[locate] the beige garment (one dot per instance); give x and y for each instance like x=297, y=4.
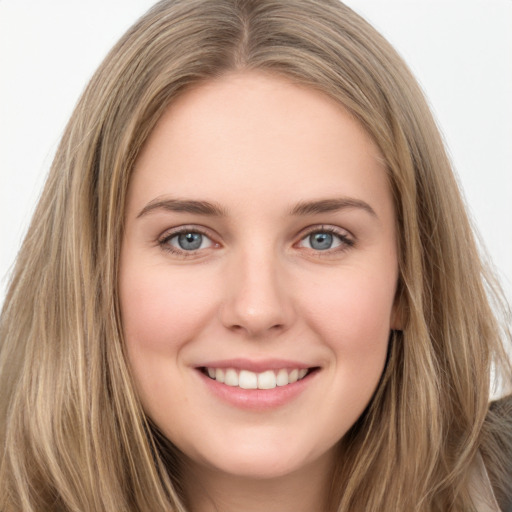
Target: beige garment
x=481, y=488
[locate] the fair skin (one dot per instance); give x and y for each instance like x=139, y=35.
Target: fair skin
x=259, y=243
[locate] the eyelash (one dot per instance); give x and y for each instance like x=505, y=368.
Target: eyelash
x=163, y=241
x=345, y=241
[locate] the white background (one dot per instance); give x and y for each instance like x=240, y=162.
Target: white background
x=460, y=50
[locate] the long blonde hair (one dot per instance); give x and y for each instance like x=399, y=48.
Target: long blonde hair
x=74, y=436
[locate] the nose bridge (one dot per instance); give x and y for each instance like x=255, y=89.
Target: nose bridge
x=257, y=300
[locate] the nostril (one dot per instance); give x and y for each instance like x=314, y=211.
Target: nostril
x=256, y=304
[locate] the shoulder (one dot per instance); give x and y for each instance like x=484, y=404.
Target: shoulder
x=481, y=489
x=495, y=465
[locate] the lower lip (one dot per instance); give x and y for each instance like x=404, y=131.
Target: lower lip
x=257, y=399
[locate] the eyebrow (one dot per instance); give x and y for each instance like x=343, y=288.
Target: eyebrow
x=207, y=208
x=184, y=206
x=331, y=205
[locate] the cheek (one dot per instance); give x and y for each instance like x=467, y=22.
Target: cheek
x=354, y=304
x=160, y=311
x=354, y=319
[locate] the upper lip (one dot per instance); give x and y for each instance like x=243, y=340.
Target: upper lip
x=254, y=365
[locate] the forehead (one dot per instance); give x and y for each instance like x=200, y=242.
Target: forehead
x=249, y=136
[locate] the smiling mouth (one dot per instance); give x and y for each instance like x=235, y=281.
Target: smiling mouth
x=246, y=379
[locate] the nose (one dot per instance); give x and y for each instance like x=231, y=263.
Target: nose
x=258, y=301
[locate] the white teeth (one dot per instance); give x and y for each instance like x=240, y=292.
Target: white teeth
x=231, y=378
x=282, y=377
x=246, y=379
x=266, y=380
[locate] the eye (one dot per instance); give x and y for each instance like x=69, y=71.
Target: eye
x=184, y=241
x=325, y=240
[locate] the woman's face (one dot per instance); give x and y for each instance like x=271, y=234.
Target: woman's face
x=258, y=275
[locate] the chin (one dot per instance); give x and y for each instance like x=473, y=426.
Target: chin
x=257, y=468
x=259, y=461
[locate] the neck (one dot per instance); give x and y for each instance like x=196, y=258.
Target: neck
x=304, y=490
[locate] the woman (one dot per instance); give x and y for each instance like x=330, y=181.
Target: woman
x=251, y=283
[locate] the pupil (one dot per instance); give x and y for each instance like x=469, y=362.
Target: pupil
x=321, y=241
x=190, y=241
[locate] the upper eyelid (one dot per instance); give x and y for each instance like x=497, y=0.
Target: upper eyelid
x=329, y=228
x=171, y=232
